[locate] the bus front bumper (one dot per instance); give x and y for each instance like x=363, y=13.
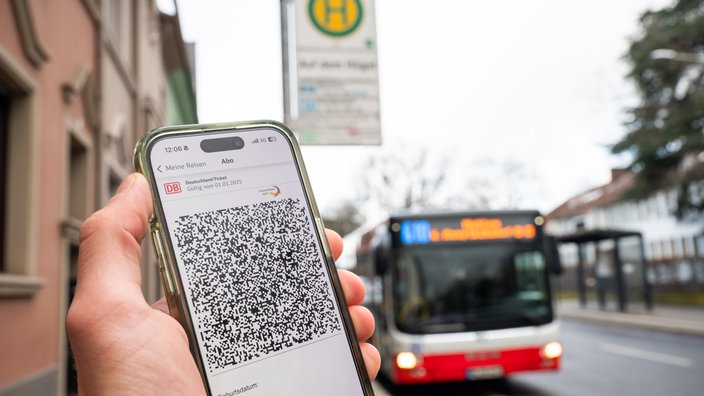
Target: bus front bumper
x=473, y=366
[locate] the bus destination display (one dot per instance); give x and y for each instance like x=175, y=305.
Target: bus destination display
x=423, y=232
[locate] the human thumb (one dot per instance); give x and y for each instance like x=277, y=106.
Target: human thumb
x=110, y=239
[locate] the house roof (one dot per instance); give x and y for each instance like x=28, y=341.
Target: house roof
x=622, y=180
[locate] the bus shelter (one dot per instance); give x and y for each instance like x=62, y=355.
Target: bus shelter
x=615, y=282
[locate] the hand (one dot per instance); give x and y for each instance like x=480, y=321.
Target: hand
x=121, y=344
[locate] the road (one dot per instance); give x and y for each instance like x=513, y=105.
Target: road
x=600, y=360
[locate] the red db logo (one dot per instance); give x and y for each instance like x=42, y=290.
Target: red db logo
x=172, y=188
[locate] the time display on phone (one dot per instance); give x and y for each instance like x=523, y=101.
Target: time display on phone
x=175, y=149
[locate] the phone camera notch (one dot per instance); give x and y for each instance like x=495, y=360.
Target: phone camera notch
x=221, y=144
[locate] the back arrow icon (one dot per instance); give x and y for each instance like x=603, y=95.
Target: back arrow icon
x=159, y=169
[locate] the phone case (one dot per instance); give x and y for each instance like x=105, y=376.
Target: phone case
x=165, y=256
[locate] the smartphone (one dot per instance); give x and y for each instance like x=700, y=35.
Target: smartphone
x=245, y=263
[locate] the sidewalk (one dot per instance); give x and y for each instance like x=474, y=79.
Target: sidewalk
x=674, y=319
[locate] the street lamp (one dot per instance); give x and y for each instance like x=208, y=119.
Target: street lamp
x=670, y=54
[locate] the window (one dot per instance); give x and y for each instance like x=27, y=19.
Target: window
x=656, y=251
x=79, y=200
x=114, y=180
x=4, y=121
x=666, y=249
x=18, y=107
x=71, y=374
x=678, y=248
x=113, y=19
x=689, y=247
x=78, y=205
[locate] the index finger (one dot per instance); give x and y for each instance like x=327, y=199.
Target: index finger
x=335, y=241
x=352, y=286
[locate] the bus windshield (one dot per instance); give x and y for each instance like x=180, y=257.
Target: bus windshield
x=470, y=288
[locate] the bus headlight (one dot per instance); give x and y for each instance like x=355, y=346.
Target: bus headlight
x=552, y=350
x=406, y=360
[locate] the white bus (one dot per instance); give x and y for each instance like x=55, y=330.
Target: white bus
x=461, y=296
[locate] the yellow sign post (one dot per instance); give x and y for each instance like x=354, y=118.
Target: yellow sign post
x=331, y=77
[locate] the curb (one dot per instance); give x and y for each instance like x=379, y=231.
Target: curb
x=648, y=322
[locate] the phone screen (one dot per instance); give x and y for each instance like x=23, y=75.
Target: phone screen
x=263, y=310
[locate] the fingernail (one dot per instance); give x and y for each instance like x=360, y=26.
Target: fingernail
x=127, y=183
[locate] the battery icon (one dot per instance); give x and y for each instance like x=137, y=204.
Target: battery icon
x=271, y=139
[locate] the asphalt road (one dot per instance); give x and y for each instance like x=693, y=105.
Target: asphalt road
x=600, y=360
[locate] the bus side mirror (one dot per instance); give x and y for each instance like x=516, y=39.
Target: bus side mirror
x=382, y=251
x=552, y=255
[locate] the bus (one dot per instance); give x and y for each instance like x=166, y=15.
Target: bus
x=461, y=296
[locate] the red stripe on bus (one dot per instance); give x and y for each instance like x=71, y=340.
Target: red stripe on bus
x=459, y=366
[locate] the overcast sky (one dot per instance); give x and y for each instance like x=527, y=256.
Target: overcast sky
x=536, y=82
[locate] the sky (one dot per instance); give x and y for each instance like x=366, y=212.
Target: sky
x=537, y=83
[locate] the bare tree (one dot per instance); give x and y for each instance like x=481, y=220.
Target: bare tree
x=404, y=179
x=344, y=218
x=407, y=179
x=418, y=179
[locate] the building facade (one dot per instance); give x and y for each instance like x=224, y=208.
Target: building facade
x=673, y=247
x=80, y=82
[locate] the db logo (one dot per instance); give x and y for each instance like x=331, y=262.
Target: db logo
x=172, y=188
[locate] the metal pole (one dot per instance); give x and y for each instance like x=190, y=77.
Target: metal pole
x=580, y=276
x=285, y=58
x=647, y=291
x=620, y=284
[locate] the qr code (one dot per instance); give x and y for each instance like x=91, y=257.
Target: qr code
x=258, y=285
